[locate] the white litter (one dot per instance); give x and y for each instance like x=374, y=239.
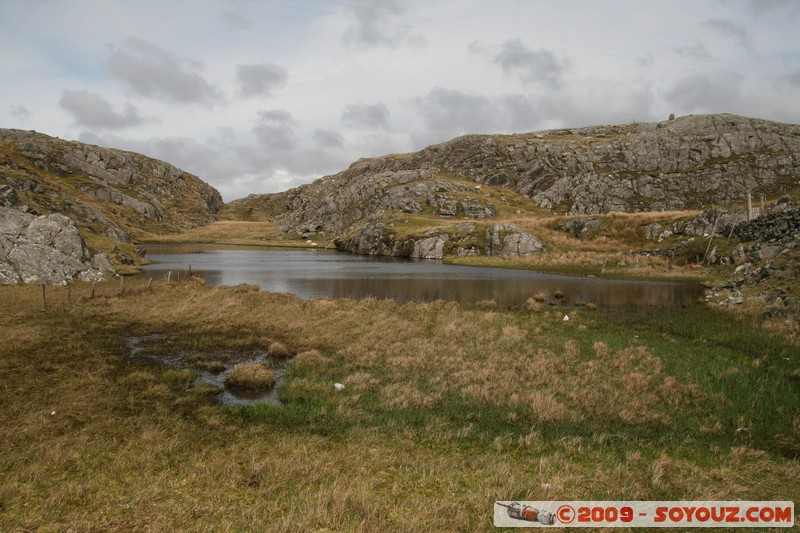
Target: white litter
x=338, y=386
x=566, y=318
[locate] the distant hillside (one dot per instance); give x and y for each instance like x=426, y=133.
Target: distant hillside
x=67, y=208
x=110, y=193
x=377, y=205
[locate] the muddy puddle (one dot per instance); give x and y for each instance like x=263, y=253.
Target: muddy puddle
x=211, y=368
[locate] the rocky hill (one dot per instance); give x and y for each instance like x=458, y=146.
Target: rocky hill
x=691, y=162
x=106, y=197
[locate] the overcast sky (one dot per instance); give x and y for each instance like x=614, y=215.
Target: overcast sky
x=260, y=96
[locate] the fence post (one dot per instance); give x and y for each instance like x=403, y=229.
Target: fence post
x=749, y=205
x=94, y=285
x=711, y=238
x=149, y=282
x=121, y=284
x=44, y=297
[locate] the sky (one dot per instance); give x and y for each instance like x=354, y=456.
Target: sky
x=258, y=96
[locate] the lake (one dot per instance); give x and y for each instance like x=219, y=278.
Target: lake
x=331, y=274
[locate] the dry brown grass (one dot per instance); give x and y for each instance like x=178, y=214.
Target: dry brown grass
x=130, y=448
x=250, y=377
x=230, y=232
x=608, y=253
x=278, y=349
x=310, y=359
x=619, y=230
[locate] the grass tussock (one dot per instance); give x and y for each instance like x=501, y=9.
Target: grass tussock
x=250, y=377
x=278, y=349
x=446, y=408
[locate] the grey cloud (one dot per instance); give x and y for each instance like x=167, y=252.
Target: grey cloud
x=646, y=60
x=597, y=101
x=374, y=26
x=20, y=112
x=367, y=116
x=761, y=7
x=279, y=150
x=260, y=79
x=534, y=66
x=151, y=71
x=520, y=112
x=235, y=21
x=792, y=79
x=328, y=139
x=730, y=29
x=696, y=51
x=706, y=93
x=202, y=159
x=476, y=47
x=448, y=113
x=237, y=169
x=93, y=111
x=275, y=130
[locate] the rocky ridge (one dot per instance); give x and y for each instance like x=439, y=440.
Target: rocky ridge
x=113, y=193
x=690, y=162
x=54, y=194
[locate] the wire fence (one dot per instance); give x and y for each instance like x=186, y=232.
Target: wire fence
x=48, y=297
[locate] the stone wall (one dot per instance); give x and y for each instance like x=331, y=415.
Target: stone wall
x=774, y=226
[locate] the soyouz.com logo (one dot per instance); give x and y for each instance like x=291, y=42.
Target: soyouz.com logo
x=760, y=514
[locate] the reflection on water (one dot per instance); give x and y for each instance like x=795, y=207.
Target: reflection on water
x=323, y=273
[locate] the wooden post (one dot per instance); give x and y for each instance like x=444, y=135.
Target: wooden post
x=149, y=282
x=179, y=276
x=763, y=203
x=94, y=286
x=711, y=237
x=44, y=298
x=121, y=284
x=749, y=205
x=169, y=276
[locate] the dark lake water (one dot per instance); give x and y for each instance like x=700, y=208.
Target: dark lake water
x=324, y=273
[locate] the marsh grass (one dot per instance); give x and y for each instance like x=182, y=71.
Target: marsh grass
x=278, y=349
x=250, y=377
x=446, y=408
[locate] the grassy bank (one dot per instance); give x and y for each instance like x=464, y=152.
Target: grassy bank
x=446, y=408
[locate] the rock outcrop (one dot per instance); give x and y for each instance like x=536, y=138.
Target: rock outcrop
x=46, y=249
x=112, y=193
x=691, y=162
x=687, y=163
x=507, y=239
x=466, y=239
